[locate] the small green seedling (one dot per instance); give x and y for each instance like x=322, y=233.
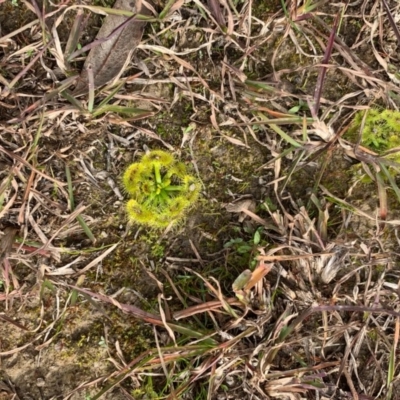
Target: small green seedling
x=247, y=250
x=161, y=190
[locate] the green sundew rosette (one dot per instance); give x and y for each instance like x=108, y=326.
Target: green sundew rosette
x=161, y=190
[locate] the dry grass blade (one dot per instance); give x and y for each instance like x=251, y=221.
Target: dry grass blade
x=215, y=8
x=74, y=36
x=24, y=162
x=25, y=70
x=143, y=315
x=392, y=359
x=322, y=308
x=208, y=306
x=383, y=206
x=135, y=311
x=25, y=114
x=7, y=241
x=81, y=221
x=346, y=205
x=11, y=321
x=391, y=21
x=47, y=242
x=98, y=259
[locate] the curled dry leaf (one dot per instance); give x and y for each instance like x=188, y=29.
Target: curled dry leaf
x=285, y=388
x=247, y=280
x=333, y=264
x=108, y=58
x=241, y=207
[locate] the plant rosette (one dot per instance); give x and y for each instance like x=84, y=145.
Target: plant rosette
x=161, y=190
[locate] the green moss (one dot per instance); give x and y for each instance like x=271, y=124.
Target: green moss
x=381, y=130
x=381, y=134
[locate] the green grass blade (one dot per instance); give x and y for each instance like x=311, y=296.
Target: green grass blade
x=191, y=333
x=86, y=228
x=130, y=111
x=110, y=96
x=73, y=101
x=260, y=85
x=284, y=135
x=289, y=120
x=166, y=9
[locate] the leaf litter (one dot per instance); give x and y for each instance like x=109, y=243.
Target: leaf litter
x=268, y=93
x=117, y=37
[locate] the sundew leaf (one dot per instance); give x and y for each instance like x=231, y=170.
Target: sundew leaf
x=161, y=190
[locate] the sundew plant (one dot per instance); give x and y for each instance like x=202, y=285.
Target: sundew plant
x=161, y=190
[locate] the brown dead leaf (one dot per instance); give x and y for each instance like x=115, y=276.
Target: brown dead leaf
x=108, y=58
x=241, y=207
x=215, y=8
x=258, y=274
x=7, y=240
